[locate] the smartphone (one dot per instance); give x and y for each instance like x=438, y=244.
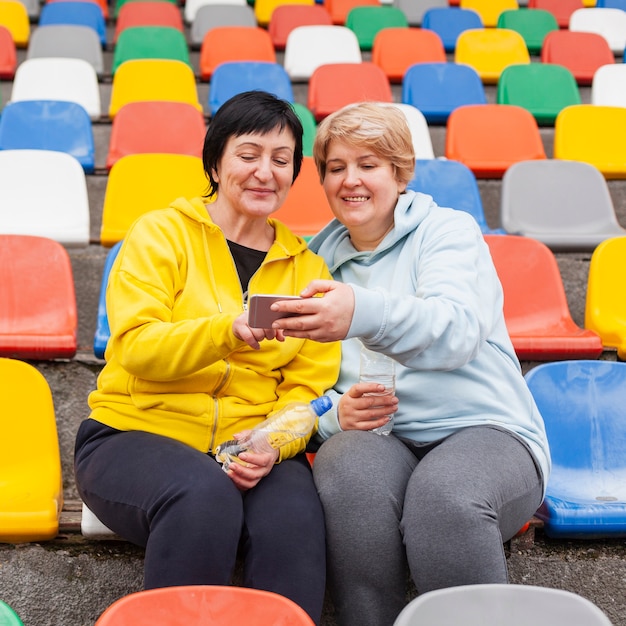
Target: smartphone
x=259, y=313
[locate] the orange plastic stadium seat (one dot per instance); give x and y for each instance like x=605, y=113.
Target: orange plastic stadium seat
x=8, y=54
x=139, y=183
x=264, y=9
x=209, y=605
x=234, y=43
x=580, y=52
x=536, y=311
x=561, y=9
x=156, y=126
x=339, y=9
x=334, y=85
x=306, y=210
x=147, y=13
x=286, y=17
x=488, y=138
x=31, y=489
x=396, y=49
x=38, y=318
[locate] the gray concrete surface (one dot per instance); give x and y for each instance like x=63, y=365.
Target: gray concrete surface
x=70, y=581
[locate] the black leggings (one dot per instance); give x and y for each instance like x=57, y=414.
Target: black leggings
x=193, y=522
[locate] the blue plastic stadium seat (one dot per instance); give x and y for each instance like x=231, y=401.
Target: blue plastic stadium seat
x=81, y=13
x=436, y=89
x=450, y=22
x=234, y=77
x=451, y=184
x=103, y=332
x=49, y=125
x=582, y=403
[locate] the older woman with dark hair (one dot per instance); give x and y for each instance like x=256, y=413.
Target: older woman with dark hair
x=186, y=372
x=467, y=460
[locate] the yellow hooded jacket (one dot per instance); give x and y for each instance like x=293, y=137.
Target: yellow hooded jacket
x=174, y=366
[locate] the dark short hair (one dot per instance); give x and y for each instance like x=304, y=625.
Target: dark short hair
x=248, y=112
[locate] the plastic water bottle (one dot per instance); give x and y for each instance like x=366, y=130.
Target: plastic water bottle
x=379, y=368
x=292, y=422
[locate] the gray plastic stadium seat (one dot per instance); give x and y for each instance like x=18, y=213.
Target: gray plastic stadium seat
x=211, y=15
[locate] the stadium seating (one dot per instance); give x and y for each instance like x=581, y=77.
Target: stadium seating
x=420, y=132
x=308, y=47
x=585, y=416
x=489, y=10
x=449, y=22
x=605, y=304
x=72, y=41
x=594, y=134
x=191, y=7
x=306, y=210
x=118, y=4
x=565, y=204
x=138, y=183
x=14, y=17
x=609, y=23
x=56, y=207
x=451, y=184
x=536, y=310
x=263, y=9
x=532, y=24
x=211, y=605
x=493, y=604
x=309, y=126
x=437, y=89
x=489, y=138
x=80, y=13
x=210, y=16
x=49, y=125
x=153, y=79
x=368, y=21
x=54, y=78
x=31, y=490
x=415, y=9
x=156, y=126
x=339, y=9
x=582, y=53
x=334, y=85
x=233, y=77
x=38, y=313
x=234, y=43
x=8, y=617
x=396, y=49
x=150, y=42
x=490, y=50
x=286, y=17
x=561, y=9
x=147, y=13
x=608, y=87
x=544, y=89
x=103, y=331
x=8, y=54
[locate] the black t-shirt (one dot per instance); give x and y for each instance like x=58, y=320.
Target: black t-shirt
x=247, y=262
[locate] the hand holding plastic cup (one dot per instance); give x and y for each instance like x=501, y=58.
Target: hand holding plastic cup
x=379, y=368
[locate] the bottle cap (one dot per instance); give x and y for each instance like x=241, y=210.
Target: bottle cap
x=321, y=405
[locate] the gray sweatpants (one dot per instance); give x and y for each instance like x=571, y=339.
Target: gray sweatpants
x=444, y=509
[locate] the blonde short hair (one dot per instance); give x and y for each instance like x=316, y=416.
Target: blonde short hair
x=379, y=126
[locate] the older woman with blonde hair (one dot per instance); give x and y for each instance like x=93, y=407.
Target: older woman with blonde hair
x=467, y=459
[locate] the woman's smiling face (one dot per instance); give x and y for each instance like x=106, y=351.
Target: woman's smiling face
x=362, y=191
x=255, y=172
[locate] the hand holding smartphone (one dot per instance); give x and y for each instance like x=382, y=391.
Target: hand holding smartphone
x=259, y=313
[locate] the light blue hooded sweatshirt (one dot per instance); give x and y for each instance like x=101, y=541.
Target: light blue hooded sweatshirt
x=429, y=297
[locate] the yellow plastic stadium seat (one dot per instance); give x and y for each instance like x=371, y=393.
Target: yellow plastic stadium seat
x=605, y=310
x=153, y=79
x=14, y=17
x=138, y=183
x=489, y=10
x=31, y=486
x=594, y=134
x=490, y=50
